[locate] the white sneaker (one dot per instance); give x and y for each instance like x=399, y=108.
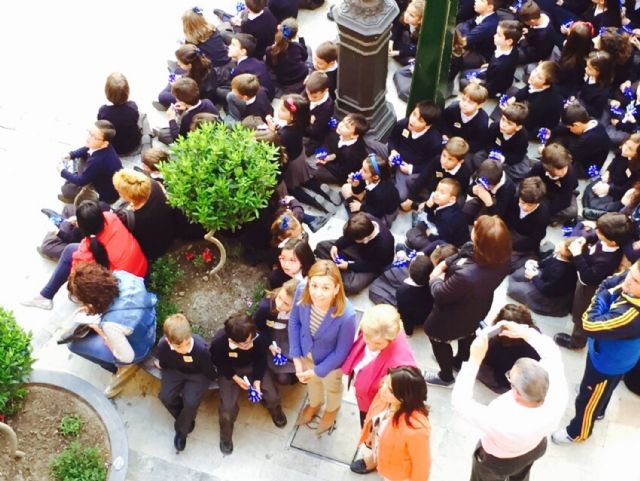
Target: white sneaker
x=39, y=302
x=561, y=437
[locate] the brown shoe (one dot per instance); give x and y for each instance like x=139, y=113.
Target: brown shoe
x=307, y=414
x=327, y=422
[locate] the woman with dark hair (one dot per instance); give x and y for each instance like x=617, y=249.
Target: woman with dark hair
x=106, y=241
x=122, y=317
x=294, y=262
x=462, y=287
x=397, y=429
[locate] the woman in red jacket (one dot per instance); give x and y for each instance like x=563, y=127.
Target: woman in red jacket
x=381, y=344
x=106, y=241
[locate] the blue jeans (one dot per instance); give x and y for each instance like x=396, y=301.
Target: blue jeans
x=61, y=274
x=95, y=350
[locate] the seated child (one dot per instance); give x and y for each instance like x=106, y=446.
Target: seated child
x=188, y=104
x=195, y=65
x=405, y=33
x=624, y=113
x=595, y=92
x=238, y=352
x=294, y=261
x=150, y=160
x=198, y=31
x=449, y=166
x=287, y=58
x=465, y=118
x=362, y=253
x=375, y=193
x=316, y=88
x=416, y=141
x=560, y=180
x=546, y=287
x=122, y=113
x=97, y=163
x=492, y=193
x=539, y=39
x=604, y=194
x=325, y=60
x=414, y=295
x=241, y=50
x=442, y=219
x=247, y=98
x=596, y=255
x=187, y=371
x=272, y=318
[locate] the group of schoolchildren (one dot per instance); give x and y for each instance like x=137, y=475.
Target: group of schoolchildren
x=445, y=166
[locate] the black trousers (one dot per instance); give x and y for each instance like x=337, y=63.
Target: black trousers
x=489, y=468
x=444, y=355
x=181, y=394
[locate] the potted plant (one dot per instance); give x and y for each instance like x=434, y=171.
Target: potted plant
x=220, y=177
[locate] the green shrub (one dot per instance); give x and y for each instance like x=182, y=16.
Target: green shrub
x=75, y=463
x=15, y=363
x=165, y=273
x=71, y=425
x=220, y=177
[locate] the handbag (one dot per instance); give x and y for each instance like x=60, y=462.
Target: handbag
x=75, y=333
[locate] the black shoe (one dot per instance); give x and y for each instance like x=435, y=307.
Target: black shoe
x=330, y=14
x=278, y=417
x=179, y=442
x=564, y=340
x=192, y=427
x=226, y=447
x=360, y=467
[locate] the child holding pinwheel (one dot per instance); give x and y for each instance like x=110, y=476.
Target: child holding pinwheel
x=287, y=58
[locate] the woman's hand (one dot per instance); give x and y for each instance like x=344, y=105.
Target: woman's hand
x=98, y=330
x=438, y=271
x=305, y=376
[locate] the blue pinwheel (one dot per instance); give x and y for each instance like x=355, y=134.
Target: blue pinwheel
x=496, y=154
x=543, y=135
x=406, y=261
x=484, y=182
x=321, y=153
x=279, y=359
x=567, y=230
x=356, y=176
x=593, y=171
x=240, y=6
x=396, y=160
x=254, y=395
x=333, y=123
x=504, y=99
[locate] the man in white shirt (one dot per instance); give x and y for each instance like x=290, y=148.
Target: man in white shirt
x=515, y=425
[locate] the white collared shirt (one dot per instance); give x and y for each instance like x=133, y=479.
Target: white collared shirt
x=191, y=343
x=371, y=186
x=325, y=97
x=501, y=53
x=524, y=214
x=417, y=135
x=533, y=91
x=468, y=118
x=250, y=101
x=480, y=18
x=192, y=107
x=252, y=16
x=455, y=170
x=544, y=21
x=241, y=59
x=346, y=143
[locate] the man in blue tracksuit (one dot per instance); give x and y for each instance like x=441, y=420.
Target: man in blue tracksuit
x=612, y=322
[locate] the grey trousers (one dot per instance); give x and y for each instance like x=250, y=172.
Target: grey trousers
x=489, y=468
x=181, y=394
x=353, y=282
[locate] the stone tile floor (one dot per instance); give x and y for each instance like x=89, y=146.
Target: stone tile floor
x=55, y=67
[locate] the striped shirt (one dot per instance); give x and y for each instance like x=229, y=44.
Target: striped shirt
x=316, y=319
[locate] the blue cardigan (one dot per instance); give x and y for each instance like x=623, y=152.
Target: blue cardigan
x=332, y=342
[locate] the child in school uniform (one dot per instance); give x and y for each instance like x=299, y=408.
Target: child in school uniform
x=375, y=193
x=539, y=39
x=287, y=58
x=362, y=253
x=241, y=50
x=325, y=60
x=441, y=220
x=449, y=164
x=316, y=88
x=271, y=318
x=122, y=113
x=194, y=65
x=546, y=287
x=416, y=141
x=414, y=295
x=293, y=262
x=596, y=254
x=247, y=98
x=595, y=92
x=466, y=118
x=624, y=113
x=238, y=352
x=492, y=192
x=405, y=33
x=507, y=141
x=187, y=371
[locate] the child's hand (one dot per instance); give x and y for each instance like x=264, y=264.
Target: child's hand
x=406, y=205
x=429, y=203
x=483, y=194
x=156, y=363
x=601, y=189
x=405, y=168
x=256, y=386
x=66, y=157
x=355, y=205
x=576, y=246
x=60, y=166
x=171, y=113
x=392, y=154
x=235, y=21
x=274, y=349
x=271, y=123
x=623, y=86
x=240, y=382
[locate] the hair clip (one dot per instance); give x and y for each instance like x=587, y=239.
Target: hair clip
x=287, y=32
x=197, y=10
x=284, y=223
x=374, y=164
x=292, y=105
x=543, y=135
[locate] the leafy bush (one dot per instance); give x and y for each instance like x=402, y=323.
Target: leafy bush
x=164, y=275
x=71, y=425
x=77, y=464
x=220, y=177
x=15, y=363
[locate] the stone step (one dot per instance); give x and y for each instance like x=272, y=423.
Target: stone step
x=150, y=468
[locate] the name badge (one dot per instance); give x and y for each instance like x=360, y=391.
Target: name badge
x=312, y=119
x=457, y=125
x=187, y=358
x=406, y=133
x=439, y=174
x=233, y=354
x=628, y=172
x=498, y=142
x=270, y=323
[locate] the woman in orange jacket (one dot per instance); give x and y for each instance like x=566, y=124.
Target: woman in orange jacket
x=397, y=429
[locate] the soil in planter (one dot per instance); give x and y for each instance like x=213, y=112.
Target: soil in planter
x=37, y=429
x=207, y=301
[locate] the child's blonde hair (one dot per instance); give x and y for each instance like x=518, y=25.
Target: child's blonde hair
x=476, y=93
x=132, y=186
x=176, y=329
x=288, y=287
x=195, y=26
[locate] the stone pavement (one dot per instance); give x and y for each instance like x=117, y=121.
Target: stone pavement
x=56, y=62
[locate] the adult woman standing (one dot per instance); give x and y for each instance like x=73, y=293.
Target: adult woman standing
x=121, y=314
x=322, y=326
x=381, y=345
x=397, y=429
x=462, y=289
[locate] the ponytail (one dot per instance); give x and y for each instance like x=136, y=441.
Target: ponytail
x=200, y=65
x=286, y=32
x=99, y=252
x=91, y=223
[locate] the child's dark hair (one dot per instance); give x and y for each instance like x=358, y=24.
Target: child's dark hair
x=360, y=123
x=327, y=51
x=286, y=32
x=106, y=128
x=477, y=93
x=575, y=112
x=617, y=45
x=577, y=46
x=116, y=89
x=153, y=156
x=511, y=29
x=528, y=11
x=91, y=223
x=549, y=68
x=603, y=63
x=186, y=90
x=419, y=270
x=378, y=167
x=239, y=328
x=298, y=106
x=358, y=227
x=453, y=184
x=615, y=226
x=532, y=190
x=246, y=84
x=555, y=156
x=316, y=82
x=429, y=111
x=441, y=252
x=247, y=43
x=516, y=112
x=513, y=313
x=457, y=147
x=256, y=6
x=409, y=387
x=302, y=251
x=189, y=54
x=491, y=170
x=202, y=118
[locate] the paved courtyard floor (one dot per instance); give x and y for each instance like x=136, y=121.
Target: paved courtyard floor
x=57, y=56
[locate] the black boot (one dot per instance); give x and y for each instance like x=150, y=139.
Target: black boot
x=226, y=432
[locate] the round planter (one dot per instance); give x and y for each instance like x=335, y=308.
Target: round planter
x=104, y=409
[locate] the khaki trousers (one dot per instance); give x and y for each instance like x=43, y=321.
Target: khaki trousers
x=330, y=385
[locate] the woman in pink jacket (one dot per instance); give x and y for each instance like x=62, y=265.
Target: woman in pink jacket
x=381, y=344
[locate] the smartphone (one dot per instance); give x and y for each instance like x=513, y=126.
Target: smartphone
x=493, y=331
